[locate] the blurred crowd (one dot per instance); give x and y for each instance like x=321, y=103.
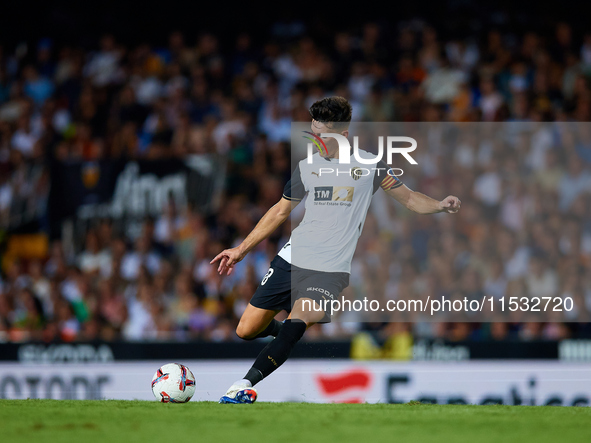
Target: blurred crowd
x=524, y=228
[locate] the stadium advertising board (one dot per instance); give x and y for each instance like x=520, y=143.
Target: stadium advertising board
x=513, y=383
x=420, y=350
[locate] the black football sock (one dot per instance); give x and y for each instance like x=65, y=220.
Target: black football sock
x=273, y=329
x=253, y=376
x=276, y=352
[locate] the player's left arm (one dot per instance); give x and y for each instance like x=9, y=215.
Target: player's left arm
x=421, y=203
x=415, y=201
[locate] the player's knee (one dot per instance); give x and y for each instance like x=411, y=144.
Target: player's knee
x=244, y=332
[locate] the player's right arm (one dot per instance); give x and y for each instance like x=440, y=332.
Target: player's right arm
x=293, y=193
x=272, y=219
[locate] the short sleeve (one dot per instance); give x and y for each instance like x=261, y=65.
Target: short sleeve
x=294, y=189
x=384, y=178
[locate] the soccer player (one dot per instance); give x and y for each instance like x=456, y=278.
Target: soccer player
x=314, y=265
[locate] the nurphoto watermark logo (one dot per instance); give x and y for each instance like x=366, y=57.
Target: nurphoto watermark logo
x=345, y=148
x=345, y=153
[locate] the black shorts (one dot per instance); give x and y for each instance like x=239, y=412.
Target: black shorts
x=275, y=291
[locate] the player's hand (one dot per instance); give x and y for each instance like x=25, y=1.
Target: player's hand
x=228, y=258
x=450, y=204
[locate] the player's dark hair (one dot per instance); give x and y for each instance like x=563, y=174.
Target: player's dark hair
x=334, y=112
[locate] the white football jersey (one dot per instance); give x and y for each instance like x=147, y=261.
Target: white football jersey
x=339, y=196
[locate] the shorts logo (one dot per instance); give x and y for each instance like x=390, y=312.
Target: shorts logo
x=322, y=291
x=333, y=193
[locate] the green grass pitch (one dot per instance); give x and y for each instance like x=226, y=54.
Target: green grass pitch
x=113, y=421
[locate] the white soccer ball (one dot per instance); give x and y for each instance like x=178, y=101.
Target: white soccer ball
x=173, y=383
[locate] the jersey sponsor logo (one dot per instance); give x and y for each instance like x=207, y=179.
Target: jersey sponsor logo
x=322, y=193
x=333, y=193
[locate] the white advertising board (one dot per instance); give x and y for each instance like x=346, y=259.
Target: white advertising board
x=529, y=383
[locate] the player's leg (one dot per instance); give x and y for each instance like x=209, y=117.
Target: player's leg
x=272, y=296
x=308, y=311
x=254, y=323
x=313, y=292
x=275, y=353
x=258, y=323
x=278, y=350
